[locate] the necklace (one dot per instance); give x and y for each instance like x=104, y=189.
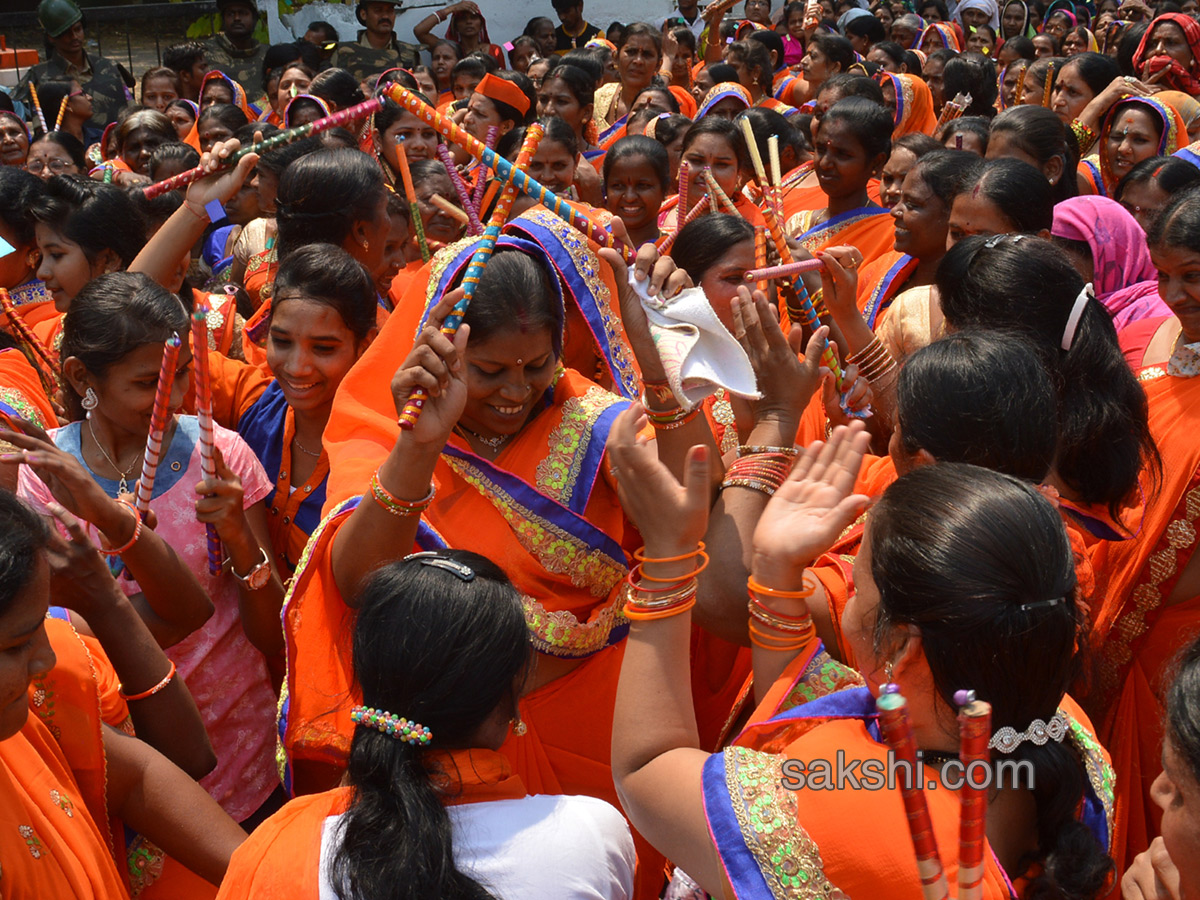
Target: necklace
x=122, y=485
x=305, y=450
x=494, y=443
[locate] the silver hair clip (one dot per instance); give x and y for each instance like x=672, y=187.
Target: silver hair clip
x=435, y=559
x=1041, y=604
x=995, y=240
x=1008, y=739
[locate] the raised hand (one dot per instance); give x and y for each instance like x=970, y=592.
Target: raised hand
x=437, y=364
x=79, y=578
x=786, y=380
x=221, y=183
x=812, y=508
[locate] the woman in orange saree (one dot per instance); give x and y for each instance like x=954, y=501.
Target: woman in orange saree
x=1150, y=583
x=744, y=824
x=911, y=103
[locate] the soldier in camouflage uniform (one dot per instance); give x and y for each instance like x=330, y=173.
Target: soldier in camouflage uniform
x=235, y=51
x=377, y=48
x=101, y=78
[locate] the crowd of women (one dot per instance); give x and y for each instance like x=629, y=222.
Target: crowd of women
x=573, y=628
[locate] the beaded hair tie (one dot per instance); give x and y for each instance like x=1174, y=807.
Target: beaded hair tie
x=392, y=726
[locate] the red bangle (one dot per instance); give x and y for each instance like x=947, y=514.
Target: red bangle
x=137, y=530
x=129, y=698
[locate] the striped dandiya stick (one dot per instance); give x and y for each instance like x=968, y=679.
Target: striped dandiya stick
x=204, y=418
x=897, y=731
x=410, y=194
x=479, y=260
x=39, y=356
x=37, y=106
x=1019, y=94
x=158, y=423
x=505, y=170
x=776, y=192
x=795, y=268
x=760, y=256
x=62, y=111
x=493, y=134
x=715, y=190
x=289, y=136
x=664, y=243
x=685, y=189
x=1049, y=85
x=953, y=109
x=474, y=226
x=974, y=732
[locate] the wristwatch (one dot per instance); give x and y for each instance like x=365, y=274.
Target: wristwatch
x=258, y=577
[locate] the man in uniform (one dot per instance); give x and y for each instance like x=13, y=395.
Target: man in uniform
x=235, y=51
x=101, y=78
x=377, y=48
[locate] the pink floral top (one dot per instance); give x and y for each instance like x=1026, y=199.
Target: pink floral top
x=225, y=673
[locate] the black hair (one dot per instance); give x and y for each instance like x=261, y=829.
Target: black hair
x=1170, y=173
x=1127, y=47
x=1017, y=189
x=225, y=114
x=868, y=27
x=321, y=196
x=637, y=145
x=337, y=87
x=277, y=160
x=386, y=116
x=511, y=113
x=581, y=84
x=183, y=56
x=913, y=63
x=870, y=123
x=893, y=50
x=1042, y=70
x=1055, y=43
x=722, y=127
x=185, y=105
x=1183, y=709
x=520, y=293
x=916, y=143
x=1096, y=70
x=973, y=74
x=1179, y=224
x=722, y=72
x=835, y=47
x=172, y=151
x=848, y=84
x=404, y=77
x=642, y=29
x=534, y=24
x=471, y=65
x=686, y=38
x=703, y=241
x=766, y=123
x=655, y=87
x=85, y=212
x=69, y=143
x=51, y=92
x=976, y=125
x=111, y=317
x=330, y=276
x=1022, y=46
x=522, y=41
x=671, y=127
x=936, y=4
x=23, y=539
x=156, y=210
x=489, y=62
x=980, y=397
x=324, y=28
x=444, y=652
x=770, y=42
x=583, y=58
x=1026, y=284
x=942, y=55
x=556, y=129
x=960, y=553
x=20, y=193
x=1040, y=133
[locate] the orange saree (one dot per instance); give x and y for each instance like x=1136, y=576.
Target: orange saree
x=871, y=229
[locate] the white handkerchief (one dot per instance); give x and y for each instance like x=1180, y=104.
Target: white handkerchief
x=697, y=351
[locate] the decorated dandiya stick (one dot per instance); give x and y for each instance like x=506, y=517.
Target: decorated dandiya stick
x=39, y=356
x=664, y=243
x=715, y=190
x=158, y=423
x=450, y=209
x=288, y=136
x=481, y=177
x=974, y=732
x=685, y=189
x=776, y=191
x=953, y=109
x=505, y=170
x=410, y=194
x=109, y=170
x=37, y=106
x=474, y=226
x=760, y=255
x=787, y=271
x=62, y=111
x=204, y=419
x=756, y=160
x=479, y=260
x=1019, y=94
x=897, y=731
x=1049, y=85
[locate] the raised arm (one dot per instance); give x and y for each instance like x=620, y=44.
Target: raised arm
x=423, y=30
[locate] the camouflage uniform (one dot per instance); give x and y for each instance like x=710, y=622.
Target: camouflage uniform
x=100, y=77
x=362, y=60
x=243, y=66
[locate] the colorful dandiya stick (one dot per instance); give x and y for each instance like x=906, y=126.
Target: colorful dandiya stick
x=1049, y=85
x=37, y=106
x=505, y=170
x=479, y=260
x=974, y=732
x=410, y=194
x=288, y=136
x=776, y=192
x=1019, y=94
x=39, y=356
x=787, y=271
x=685, y=189
x=62, y=111
x=158, y=423
x=474, y=226
x=897, y=731
x=481, y=177
x=450, y=209
x=760, y=256
x=204, y=418
x=109, y=170
x=715, y=190
x=664, y=243
x=953, y=109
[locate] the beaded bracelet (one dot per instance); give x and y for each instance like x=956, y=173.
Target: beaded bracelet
x=129, y=698
x=137, y=530
x=396, y=506
x=752, y=449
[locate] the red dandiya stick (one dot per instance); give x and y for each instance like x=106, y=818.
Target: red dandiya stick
x=474, y=226
x=974, y=732
x=897, y=731
x=410, y=194
x=479, y=260
x=158, y=423
x=760, y=256
x=40, y=357
x=204, y=418
x=291, y=135
x=795, y=268
x=953, y=109
x=715, y=190
x=685, y=188
x=664, y=243
x=505, y=170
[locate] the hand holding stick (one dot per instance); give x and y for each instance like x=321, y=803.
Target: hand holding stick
x=208, y=464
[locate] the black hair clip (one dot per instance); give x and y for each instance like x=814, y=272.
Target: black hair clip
x=435, y=559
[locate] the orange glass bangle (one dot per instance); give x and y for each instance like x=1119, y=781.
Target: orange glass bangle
x=642, y=558
x=642, y=576
x=137, y=530
x=636, y=615
x=766, y=641
x=129, y=698
x=803, y=594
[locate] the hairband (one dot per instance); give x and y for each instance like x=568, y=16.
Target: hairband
x=392, y=726
x=438, y=561
x=1008, y=739
x=652, y=126
x=495, y=88
x=1068, y=337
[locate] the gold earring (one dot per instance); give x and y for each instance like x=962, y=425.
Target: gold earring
x=366, y=245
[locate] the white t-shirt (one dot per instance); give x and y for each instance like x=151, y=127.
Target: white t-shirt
x=569, y=848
